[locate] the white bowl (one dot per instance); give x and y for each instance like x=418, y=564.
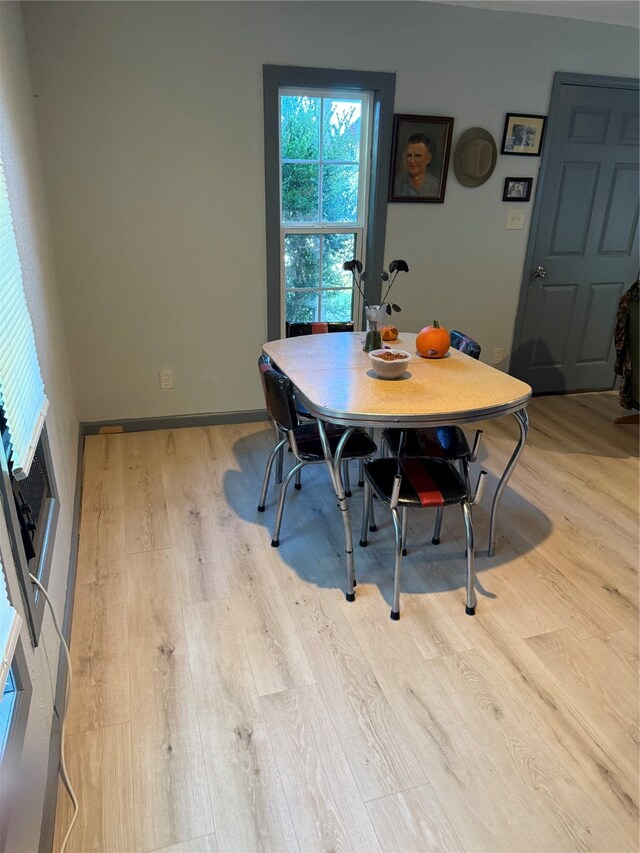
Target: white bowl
x=389, y=369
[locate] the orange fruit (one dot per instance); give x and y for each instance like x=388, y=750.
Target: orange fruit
x=389, y=333
x=433, y=341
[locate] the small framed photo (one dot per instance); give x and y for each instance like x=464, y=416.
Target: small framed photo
x=420, y=158
x=523, y=135
x=517, y=189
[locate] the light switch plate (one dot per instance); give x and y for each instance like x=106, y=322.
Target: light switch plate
x=515, y=218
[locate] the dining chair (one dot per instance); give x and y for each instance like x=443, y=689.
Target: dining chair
x=281, y=443
x=445, y=442
x=295, y=330
x=414, y=483
x=303, y=438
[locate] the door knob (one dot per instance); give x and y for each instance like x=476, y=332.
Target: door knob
x=539, y=272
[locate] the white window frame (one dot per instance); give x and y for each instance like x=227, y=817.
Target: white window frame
x=382, y=86
x=320, y=228
x=10, y=624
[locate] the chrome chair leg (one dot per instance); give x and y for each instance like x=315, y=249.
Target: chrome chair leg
x=438, y=527
x=372, y=515
x=368, y=519
x=470, y=607
x=398, y=524
x=283, y=493
x=464, y=472
x=345, y=480
x=366, y=506
x=276, y=451
x=279, y=458
x=405, y=519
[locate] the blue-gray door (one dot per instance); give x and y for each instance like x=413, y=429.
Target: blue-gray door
x=583, y=250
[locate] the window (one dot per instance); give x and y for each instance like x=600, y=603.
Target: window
x=10, y=623
x=15, y=702
x=31, y=509
x=27, y=488
x=7, y=706
x=22, y=394
x=325, y=140
x=327, y=153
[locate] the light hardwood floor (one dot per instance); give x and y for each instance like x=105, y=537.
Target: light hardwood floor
x=228, y=698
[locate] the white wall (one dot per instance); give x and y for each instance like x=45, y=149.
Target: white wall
x=24, y=783
x=150, y=119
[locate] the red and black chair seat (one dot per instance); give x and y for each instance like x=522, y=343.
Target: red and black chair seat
x=425, y=481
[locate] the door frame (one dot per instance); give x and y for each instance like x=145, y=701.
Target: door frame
x=561, y=78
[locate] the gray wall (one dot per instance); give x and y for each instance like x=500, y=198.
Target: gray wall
x=150, y=119
x=23, y=783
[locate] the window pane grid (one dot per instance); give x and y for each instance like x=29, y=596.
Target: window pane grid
x=287, y=160
x=322, y=201
x=298, y=200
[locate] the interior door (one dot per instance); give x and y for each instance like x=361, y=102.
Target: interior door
x=583, y=247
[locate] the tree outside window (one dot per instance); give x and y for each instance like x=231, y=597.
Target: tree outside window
x=324, y=144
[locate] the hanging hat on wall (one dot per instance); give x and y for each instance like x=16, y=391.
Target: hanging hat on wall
x=475, y=157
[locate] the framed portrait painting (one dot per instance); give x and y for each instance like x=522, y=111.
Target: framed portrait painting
x=420, y=158
x=517, y=189
x=523, y=135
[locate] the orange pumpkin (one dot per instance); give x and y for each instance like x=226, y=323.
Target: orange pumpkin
x=389, y=333
x=433, y=341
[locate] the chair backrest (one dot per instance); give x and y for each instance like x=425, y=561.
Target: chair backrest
x=295, y=330
x=278, y=394
x=465, y=344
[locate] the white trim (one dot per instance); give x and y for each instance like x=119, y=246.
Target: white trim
x=23, y=472
x=10, y=625
x=359, y=226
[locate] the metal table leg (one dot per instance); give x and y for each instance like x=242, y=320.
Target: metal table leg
x=523, y=422
x=334, y=471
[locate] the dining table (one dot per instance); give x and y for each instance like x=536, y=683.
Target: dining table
x=335, y=381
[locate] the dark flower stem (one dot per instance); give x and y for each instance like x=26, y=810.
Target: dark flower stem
x=355, y=267
x=390, y=286
x=358, y=285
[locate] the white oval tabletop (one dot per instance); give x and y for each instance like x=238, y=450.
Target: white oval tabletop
x=336, y=381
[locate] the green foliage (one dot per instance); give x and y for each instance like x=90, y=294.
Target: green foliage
x=314, y=132
x=300, y=140
x=302, y=260
x=300, y=128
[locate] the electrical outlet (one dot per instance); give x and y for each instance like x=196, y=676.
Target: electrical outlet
x=498, y=355
x=166, y=379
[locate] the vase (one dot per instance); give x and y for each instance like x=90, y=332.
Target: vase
x=376, y=314
x=375, y=317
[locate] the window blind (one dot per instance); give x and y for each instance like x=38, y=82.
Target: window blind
x=22, y=395
x=10, y=622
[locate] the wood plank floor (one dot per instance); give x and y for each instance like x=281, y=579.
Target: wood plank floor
x=228, y=698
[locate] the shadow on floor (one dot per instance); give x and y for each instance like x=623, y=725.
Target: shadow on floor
x=312, y=536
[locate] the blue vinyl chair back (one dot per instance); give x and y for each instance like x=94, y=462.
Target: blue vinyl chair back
x=465, y=344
